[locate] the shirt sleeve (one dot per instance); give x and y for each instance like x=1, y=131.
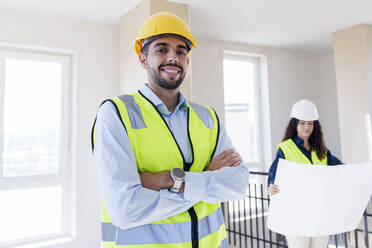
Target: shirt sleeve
x=128, y=203
x=332, y=160
x=225, y=184
x=274, y=166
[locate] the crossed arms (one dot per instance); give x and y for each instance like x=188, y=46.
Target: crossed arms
x=163, y=180
x=132, y=199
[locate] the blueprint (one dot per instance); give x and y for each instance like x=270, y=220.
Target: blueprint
x=316, y=200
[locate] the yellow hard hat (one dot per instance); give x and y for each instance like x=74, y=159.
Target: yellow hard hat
x=163, y=24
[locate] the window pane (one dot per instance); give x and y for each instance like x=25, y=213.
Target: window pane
x=30, y=212
x=240, y=107
x=31, y=117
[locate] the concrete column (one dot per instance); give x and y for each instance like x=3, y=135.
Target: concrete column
x=132, y=75
x=353, y=61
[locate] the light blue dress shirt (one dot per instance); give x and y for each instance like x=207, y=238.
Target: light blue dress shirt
x=126, y=201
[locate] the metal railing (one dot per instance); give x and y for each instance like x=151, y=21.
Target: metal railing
x=246, y=222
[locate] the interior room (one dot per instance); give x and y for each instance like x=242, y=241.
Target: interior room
x=60, y=60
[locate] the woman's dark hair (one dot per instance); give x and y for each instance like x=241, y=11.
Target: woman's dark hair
x=316, y=138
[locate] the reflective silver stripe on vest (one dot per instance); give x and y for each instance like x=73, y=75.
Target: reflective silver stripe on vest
x=204, y=114
x=208, y=225
x=167, y=233
x=108, y=231
x=134, y=112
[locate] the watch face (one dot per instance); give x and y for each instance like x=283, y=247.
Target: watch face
x=179, y=173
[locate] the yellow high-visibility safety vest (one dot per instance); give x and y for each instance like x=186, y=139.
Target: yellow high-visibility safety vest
x=293, y=153
x=156, y=150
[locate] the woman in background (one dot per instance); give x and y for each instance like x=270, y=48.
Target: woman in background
x=302, y=143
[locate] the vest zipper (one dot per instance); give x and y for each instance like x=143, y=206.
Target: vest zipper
x=186, y=167
x=192, y=213
x=194, y=228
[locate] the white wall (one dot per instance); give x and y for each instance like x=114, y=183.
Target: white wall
x=96, y=50
x=325, y=95
x=291, y=77
x=353, y=56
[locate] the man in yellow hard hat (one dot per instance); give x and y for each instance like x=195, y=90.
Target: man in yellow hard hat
x=164, y=164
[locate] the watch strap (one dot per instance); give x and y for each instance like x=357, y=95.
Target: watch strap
x=176, y=185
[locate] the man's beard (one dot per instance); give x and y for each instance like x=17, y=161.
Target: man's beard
x=166, y=84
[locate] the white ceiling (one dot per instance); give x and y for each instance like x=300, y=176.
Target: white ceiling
x=293, y=24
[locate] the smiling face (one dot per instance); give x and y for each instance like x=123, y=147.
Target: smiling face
x=305, y=129
x=165, y=62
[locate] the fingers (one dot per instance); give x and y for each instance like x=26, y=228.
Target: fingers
x=273, y=189
x=238, y=161
x=223, y=154
x=228, y=157
x=232, y=158
x=235, y=161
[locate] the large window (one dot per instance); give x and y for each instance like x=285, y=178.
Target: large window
x=243, y=111
x=35, y=111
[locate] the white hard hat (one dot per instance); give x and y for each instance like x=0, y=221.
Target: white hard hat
x=304, y=110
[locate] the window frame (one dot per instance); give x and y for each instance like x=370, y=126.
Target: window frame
x=262, y=114
x=64, y=175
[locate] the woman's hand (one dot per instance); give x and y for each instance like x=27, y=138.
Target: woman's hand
x=273, y=189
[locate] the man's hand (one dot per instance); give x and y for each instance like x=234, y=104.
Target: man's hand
x=226, y=158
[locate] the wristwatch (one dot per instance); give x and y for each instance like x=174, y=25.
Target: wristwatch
x=178, y=176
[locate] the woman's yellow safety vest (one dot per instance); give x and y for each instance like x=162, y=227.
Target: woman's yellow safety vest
x=156, y=150
x=293, y=153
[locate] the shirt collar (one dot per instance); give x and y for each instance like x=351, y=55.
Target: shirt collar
x=298, y=140
x=149, y=94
